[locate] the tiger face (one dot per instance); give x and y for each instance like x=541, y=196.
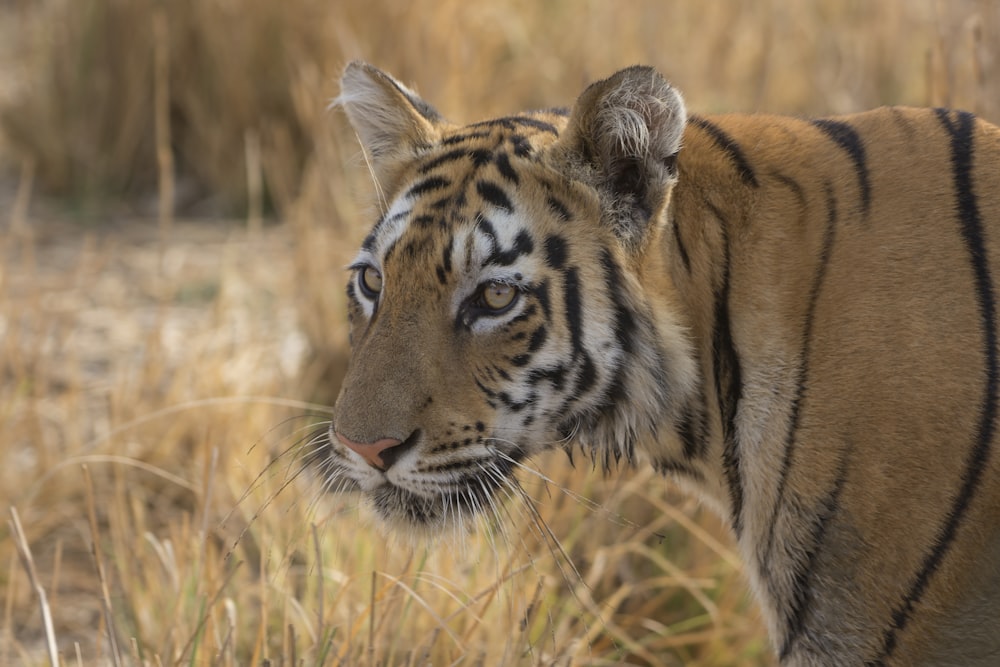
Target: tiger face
x=796, y=317
x=495, y=308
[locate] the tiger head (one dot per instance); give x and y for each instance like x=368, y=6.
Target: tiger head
x=496, y=307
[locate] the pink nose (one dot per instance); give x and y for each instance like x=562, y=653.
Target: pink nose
x=371, y=451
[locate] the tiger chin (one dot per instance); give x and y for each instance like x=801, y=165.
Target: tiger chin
x=797, y=318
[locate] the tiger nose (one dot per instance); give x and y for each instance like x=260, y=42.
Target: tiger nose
x=379, y=454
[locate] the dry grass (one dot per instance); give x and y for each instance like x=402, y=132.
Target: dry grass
x=144, y=379
x=147, y=427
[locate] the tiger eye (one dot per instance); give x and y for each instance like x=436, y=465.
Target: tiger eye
x=371, y=279
x=498, y=296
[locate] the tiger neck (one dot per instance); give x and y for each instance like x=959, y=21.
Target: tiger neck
x=693, y=262
x=665, y=409
x=674, y=403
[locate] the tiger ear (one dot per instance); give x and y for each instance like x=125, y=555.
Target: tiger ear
x=622, y=138
x=391, y=121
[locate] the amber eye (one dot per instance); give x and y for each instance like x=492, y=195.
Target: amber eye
x=371, y=281
x=498, y=296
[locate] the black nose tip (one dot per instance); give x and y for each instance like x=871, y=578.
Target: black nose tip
x=392, y=454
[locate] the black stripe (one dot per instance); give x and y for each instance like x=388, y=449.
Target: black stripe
x=904, y=124
x=446, y=255
x=797, y=190
x=494, y=194
x=450, y=156
x=480, y=157
x=416, y=246
x=429, y=184
x=560, y=209
x=522, y=147
x=573, y=303
x=556, y=376
x=615, y=394
x=369, y=242
x=390, y=251
x=489, y=393
x=513, y=122
x=504, y=167
x=586, y=377
x=692, y=432
x=465, y=136
x=523, y=245
x=489, y=231
x=625, y=326
x=803, y=375
x=520, y=360
x=960, y=126
x=526, y=314
x=729, y=147
x=802, y=597
x=848, y=138
x=541, y=292
x=538, y=338
x=685, y=260
x=555, y=251
x=666, y=466
x=728, y=385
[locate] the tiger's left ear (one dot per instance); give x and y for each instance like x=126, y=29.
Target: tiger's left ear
x=623, y=138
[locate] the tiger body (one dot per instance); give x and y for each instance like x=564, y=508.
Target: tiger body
x=795, y=318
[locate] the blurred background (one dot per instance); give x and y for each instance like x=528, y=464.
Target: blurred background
x=177, y=203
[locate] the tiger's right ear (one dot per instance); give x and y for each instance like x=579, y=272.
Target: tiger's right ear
x=391, y=121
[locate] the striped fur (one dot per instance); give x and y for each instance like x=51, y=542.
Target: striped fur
x=796, y=317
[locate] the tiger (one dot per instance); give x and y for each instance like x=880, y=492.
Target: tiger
x=793, y=318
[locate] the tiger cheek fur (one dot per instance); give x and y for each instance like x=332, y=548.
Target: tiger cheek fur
x=795, y=318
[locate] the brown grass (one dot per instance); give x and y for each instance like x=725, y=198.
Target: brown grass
x=148, y=377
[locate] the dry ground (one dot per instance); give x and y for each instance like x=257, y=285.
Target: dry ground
x=113, y=347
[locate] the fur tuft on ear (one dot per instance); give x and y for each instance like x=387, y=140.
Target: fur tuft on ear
x=391, y=121
x=623, y=138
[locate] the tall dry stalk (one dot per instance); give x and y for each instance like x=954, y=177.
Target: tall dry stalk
x=161, y=123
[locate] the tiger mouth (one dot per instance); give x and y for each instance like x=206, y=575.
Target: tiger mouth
x=472, y=488
x=459, y=502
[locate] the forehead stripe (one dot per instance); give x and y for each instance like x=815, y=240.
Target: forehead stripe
x=450, y=156
x=494, y=194
x=505, y=168
x=429, y=184
x=523, y=245
x=459, y=138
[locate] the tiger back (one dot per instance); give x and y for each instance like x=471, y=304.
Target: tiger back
x=795, y=319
